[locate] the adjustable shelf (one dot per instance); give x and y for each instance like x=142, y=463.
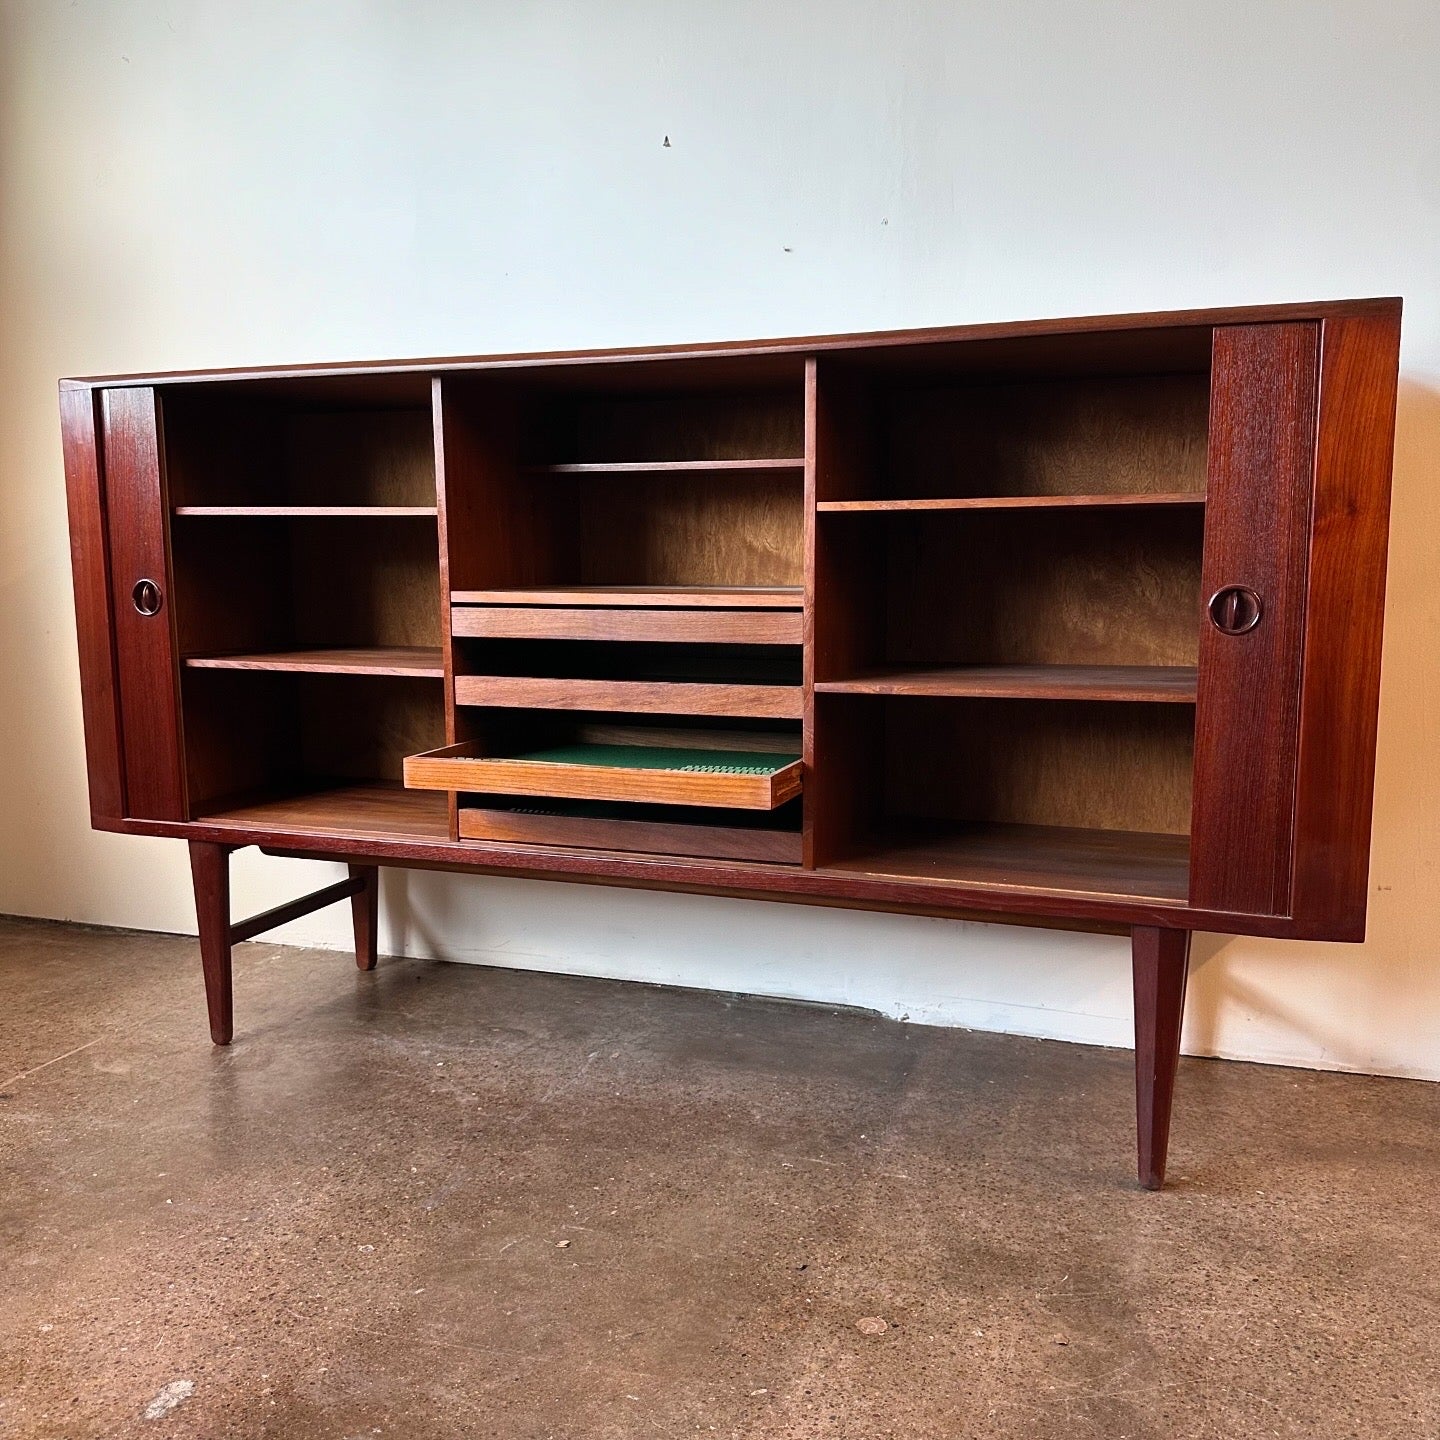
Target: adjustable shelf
x=411, y=661
x=308, y=512
x=782, y=466
x=1165, y=684
x=1014, y=502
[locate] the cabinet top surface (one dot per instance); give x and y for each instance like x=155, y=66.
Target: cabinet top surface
x=876, y=344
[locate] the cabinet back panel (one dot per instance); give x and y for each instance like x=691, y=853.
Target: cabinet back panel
x=1076, y=587
x=247, y=732
x=680, y=529
x=592, y=430
x=1129, y=435
x=365, y=582
x=244, y=454
x=382, y=457
x=281, y=584
x=1089, y=765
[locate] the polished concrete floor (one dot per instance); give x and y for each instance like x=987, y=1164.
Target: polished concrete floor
x=441, y=1201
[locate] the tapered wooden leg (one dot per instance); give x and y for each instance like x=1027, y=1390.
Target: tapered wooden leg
x=1160, y=960
x=365, y=907
x=210, y=870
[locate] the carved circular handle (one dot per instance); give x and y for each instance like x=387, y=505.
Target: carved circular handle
x=1235, y=609
x=147, y=597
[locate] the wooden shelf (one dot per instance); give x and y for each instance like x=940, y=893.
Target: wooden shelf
x=415, y=661
x=1011, y=502
x=376, y=809
x=1116, y=863
x=642, y=774
x=1164, y=684
x=635, y=697
x=665, y=597
x=308, y=512
x=675, y=467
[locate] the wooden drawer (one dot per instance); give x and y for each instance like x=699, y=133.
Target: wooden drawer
x=643, y=836
x=635, y=697
x=725, y=779
x=687, y=626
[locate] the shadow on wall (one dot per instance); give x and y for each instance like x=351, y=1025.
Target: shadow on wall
x=1370, y=1006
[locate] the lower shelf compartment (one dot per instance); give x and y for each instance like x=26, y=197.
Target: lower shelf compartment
x=648, y=774
x=1123, y=863
x=640, y=829
x=376, y=809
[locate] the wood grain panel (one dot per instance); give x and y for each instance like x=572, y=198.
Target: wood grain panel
x=137, y=506
x=1340, y=687
x=90, y=572
x=1262, y=458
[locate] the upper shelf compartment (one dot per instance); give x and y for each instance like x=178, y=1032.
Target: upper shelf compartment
x=931, y=440
x=665, y=492
x=261, y=458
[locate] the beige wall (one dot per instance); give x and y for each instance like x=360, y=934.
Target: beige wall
x=191, y=184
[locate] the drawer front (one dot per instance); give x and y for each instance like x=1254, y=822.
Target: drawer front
x=686, y=627
x=650, y=837
x=1263, y=403
x=634, y=697
x=144, y=618
x=462, y=768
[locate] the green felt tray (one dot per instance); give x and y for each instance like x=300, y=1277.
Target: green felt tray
x=658, y=757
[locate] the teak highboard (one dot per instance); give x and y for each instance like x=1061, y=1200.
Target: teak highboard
x=1071, y=622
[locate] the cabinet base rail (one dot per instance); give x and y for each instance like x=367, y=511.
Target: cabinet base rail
x=210, y=871
x=1159, y=961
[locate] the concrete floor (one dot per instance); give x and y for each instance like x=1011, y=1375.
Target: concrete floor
x=442, y=1201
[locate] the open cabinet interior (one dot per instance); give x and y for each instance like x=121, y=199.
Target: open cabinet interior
x=1007, y=613
x=306, y=588
x=627, y=585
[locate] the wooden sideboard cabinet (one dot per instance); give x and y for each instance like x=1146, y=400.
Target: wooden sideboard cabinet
x=1069, y=623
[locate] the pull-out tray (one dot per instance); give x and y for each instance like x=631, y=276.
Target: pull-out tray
x=653, y=774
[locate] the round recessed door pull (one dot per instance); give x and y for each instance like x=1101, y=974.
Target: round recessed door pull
x=147, y=597
x=1235, y=609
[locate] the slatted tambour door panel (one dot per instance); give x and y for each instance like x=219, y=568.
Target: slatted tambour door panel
x=145, y=647
x=1261, y=469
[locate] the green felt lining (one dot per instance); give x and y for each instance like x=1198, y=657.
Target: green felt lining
x=658, y=757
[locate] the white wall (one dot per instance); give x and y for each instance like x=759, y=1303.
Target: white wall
x=200, y=184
